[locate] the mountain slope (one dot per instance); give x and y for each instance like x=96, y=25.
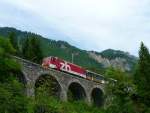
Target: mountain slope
x=87, y=59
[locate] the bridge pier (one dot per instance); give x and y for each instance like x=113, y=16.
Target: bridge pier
x=30, y=89
x=63, y=96
x=88, y=100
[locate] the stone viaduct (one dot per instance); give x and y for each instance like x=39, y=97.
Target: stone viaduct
x=90, y=91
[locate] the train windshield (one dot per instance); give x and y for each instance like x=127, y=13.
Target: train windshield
x=53, y=59
x=45, y=62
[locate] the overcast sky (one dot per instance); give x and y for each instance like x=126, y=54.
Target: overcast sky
x=87, y=24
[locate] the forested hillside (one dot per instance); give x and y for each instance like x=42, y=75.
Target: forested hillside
x=81, y=57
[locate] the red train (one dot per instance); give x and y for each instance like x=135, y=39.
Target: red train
x=62, y=65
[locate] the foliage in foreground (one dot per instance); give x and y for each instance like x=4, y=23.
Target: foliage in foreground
x=130, y=94
x=48, y=104
x=119, y=93
x=142, y=80
x=12, y=98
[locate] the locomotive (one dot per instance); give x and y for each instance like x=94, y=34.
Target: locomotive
x=67, y=67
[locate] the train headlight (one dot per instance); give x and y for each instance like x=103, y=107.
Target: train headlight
x=103, y=82
x=42, y=64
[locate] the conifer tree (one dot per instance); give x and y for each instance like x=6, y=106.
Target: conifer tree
x=142, y=75
x=13, y=40
x=31, y=50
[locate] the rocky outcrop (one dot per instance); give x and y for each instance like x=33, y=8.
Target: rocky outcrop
x=117, y=62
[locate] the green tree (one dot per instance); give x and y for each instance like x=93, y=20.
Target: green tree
x=14, y=41
x=26, y=52
x=119, y=93
x=12, y=99
x=5, y=47
x=31, y=50
x=142, y=76
x=6, y=63
x=37, y=50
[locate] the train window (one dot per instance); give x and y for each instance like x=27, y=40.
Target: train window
x=53, y=59
x=95, y=75
x=99, y=77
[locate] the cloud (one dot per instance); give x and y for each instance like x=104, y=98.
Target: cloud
x=88, y=24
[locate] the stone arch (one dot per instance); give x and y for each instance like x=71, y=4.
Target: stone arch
x=50, y=84
x=76, y=91
x=97, y=96
x=22, y=78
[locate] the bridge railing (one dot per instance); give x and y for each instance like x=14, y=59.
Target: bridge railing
x=26, y=61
